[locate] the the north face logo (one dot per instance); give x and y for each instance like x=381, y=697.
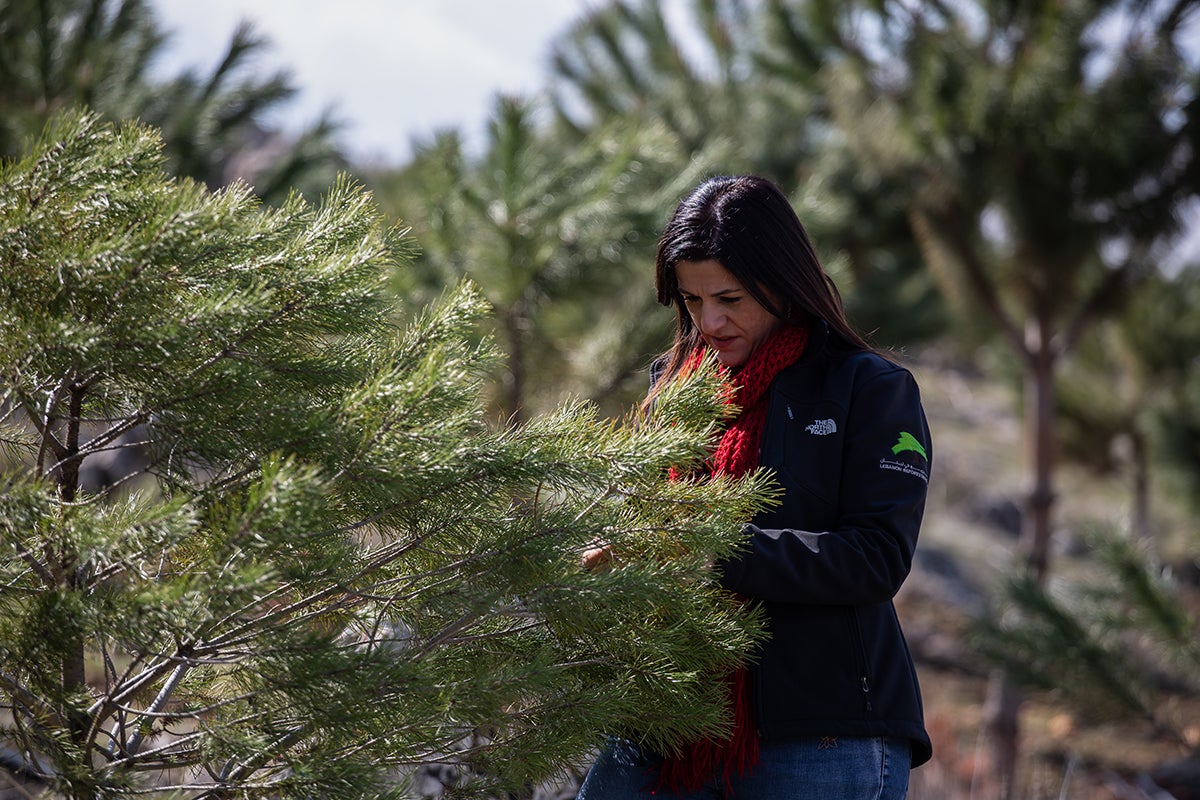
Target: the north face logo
x=821, y=427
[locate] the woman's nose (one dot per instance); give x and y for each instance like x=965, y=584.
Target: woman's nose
x=712, y=319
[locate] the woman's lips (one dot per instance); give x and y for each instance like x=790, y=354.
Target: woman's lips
x=721, y=343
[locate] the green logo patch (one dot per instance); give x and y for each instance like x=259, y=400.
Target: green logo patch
x=908, y=442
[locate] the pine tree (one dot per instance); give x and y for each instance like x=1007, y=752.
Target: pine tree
x=98, y=54
x=326, y=565
x=1122, y=400
x=1049, y=150
x=1116, y=644
x=557, y=234
x=754, y=82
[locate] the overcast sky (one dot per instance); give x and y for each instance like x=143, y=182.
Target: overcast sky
x=392, y=70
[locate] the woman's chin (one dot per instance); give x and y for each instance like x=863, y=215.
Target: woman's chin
x=731, y=360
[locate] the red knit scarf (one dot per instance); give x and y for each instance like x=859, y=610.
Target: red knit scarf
x=736, y=455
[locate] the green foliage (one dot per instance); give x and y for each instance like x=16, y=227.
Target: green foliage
x=1128, y=380
x=1118, y=643
x=70, y=53
x=326, y=567
x=1046, y=147
x=558, y=233
x=98, y=55
x=758, y=76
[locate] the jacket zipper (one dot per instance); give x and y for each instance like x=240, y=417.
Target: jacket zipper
x=864, y=677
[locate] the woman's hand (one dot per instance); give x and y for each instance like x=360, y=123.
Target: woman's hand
x=599, y=554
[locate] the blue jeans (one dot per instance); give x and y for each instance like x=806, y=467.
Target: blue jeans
x=824, y=768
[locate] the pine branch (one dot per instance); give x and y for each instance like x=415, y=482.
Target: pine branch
x=344, y=565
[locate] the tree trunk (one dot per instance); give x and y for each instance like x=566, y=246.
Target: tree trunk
x=1036, y=527
x=1002, y=708
x=74, y=659
x=1001, y=715
x=1140, y=515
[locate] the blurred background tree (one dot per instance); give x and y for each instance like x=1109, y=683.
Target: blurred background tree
x=755, y=75
x=1117, y=645
x=1121, y=398
x=1050, y=149
x=99, y=54
x=558, y=231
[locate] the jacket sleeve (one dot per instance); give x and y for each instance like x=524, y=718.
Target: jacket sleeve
x=859, y=551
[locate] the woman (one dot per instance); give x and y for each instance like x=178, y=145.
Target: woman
x=830, y=706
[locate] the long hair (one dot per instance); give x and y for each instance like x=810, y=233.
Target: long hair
x=747, y=225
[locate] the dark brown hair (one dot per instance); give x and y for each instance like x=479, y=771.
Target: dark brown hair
x=747, y=224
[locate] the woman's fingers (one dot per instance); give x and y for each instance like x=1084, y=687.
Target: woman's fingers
x=597, y=556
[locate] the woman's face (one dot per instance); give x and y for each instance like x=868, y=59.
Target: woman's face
x=731, y=321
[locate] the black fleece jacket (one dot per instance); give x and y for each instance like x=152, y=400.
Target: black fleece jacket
x=847, y=439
